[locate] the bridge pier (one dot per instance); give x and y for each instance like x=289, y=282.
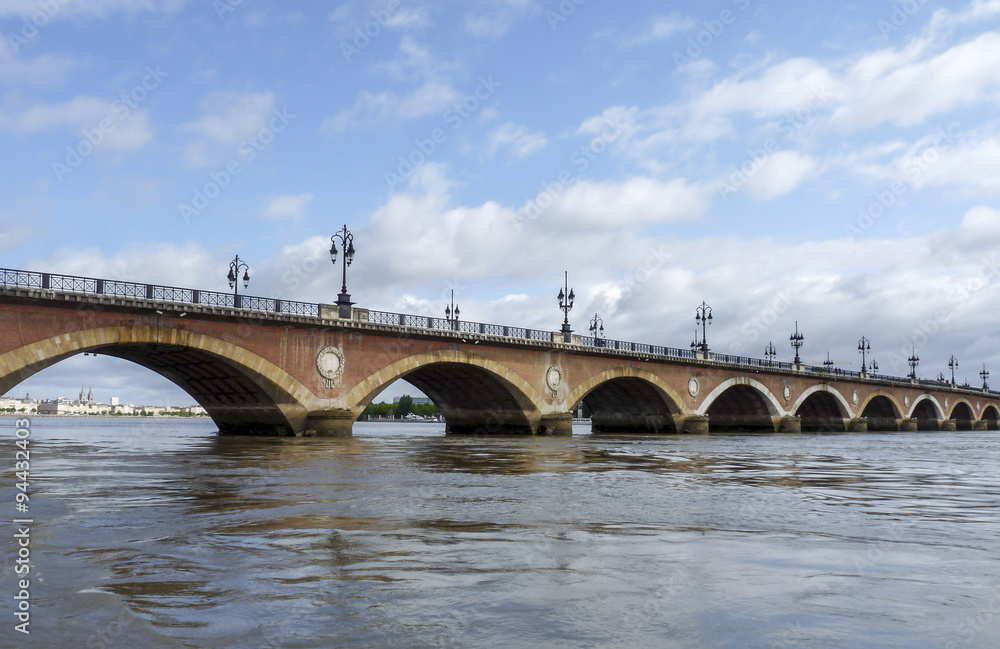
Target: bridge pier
x=980, y=424
x=557, y=425
x=789, y=424
x=908, y=425
x=696, y=424
x=858, y=425
x=328, y=423
x=948, y=425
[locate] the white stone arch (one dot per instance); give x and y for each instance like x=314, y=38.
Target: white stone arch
x=845, y=407
x=926, y=397
x=773, y=405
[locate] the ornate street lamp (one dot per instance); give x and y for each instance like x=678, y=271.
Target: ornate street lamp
x=796, y=340
x=566, y=298
x=770, y=352
x=864, y=346
x=873, y=367
x=952, y=363
x=913, y=360
x=597, y=330
x=828, y=364
x=984, y=375
x=703, y=316
x=235, y=266
x=451, y=312
x=347, y=243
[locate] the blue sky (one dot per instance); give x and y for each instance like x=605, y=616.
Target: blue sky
x=837, y=164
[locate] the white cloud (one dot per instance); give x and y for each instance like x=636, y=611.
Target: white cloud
x=780, y=173
x=657, y=28
x=56, y=8
x=521, y=142
x=631, y=202
x=370, y=109
x=289, y=206
x=227, y=119
x=119, y=128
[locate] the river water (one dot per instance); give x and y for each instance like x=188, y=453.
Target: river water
x=158, y=533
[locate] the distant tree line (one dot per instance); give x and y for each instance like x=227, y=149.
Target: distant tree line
x=401, y=408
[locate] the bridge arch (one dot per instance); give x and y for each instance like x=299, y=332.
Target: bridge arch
x=927, y=411
x=475, y=394
x=243, y=393
x=741, y=403
x=991, y=415
x=627, y=399
x=963, y=414
x=822, y=408
x=882, y=410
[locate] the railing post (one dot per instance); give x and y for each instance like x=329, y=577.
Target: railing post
x=45, y=280
x=505, y=328
x=237, y=301
x=100, y=286
x=277, y=305
x=482, y=328
x=195, y=295
x=149, y=291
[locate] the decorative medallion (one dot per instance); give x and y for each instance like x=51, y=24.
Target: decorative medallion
x=906, y=401
x=946, y=403
x=854, y=397
x=979, y=406
x=553, y=378
x=693, y=387
x=330, y=363
x=788, y=393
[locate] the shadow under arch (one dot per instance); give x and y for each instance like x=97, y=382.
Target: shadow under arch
x=740, y=404
x=629, y=400
x=242, y=392
x=822, y=408
x=963, y=414
x=991, y=415
x=476, y=395
x=882, y=411
x=927, y=411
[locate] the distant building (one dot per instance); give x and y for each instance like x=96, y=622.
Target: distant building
x=417, y=401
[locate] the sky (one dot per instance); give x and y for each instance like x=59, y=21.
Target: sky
x=834, y=165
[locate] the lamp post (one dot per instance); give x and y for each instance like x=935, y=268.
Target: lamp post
x=828, y=364
x=566, y=298
x=597, y=330
x=770, y=352
x=984, y=375
x=451, y=312
x=703, y=317
x=874, y=367
x=864, y=346
x=952, y=363
x=347, y=243
x=913, y=360
x=796, y=340
x=234, y=278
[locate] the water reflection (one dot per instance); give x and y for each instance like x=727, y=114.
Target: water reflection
x=406, y=538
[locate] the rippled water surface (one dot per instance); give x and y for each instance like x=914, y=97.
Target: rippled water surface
x=161, y=534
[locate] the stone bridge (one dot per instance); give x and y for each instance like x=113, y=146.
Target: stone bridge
x=278, y=367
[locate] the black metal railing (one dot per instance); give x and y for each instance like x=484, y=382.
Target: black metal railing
x=118, y=288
